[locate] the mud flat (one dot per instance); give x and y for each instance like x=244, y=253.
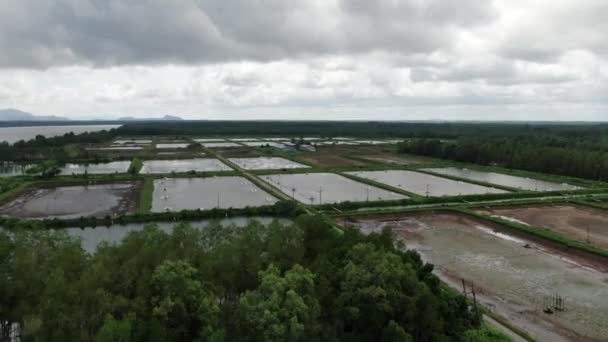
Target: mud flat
x=577, y=222
x=511, y=279
x=67, y=202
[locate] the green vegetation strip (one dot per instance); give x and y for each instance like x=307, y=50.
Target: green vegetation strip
x=145, y=196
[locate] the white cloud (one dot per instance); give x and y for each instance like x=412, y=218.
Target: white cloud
x=322, y=59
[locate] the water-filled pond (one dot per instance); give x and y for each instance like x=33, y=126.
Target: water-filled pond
x=425, y=184
x=74, y=201
x=92, y=237
x=315, y=188
x=504, y=180
x=171, y=145
x=266, y=163
x=100, y=168
x=220, y=144
x=175, y=194
x=8, y=168
x=183, y=165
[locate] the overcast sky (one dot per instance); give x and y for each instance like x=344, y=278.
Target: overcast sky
x=307, y=59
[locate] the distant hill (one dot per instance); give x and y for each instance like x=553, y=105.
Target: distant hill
x=164, y=118
x=10, y=114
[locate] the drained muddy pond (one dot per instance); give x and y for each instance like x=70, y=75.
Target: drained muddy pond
x=266, y=163
x=74, y=201
x=321, y=188
x=504, y=180
x=184, y=165
x=513, y=276
x=425, y=184
x=112, y=167
x=175, y=194
x=577, y=222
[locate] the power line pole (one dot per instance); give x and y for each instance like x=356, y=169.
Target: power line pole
x=320, y=195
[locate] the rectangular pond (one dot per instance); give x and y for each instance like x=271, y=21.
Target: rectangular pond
x=584, y=224
x=74, y=201
x=243, y=139
x=205, y=140
x=316, y=188
x=175, y=194
x=514, y=276
x=266, y=163
x=220, y=144
x=133, y=141
x=504, y=180
x=425, y=184
x=116, y=148
x=171, y=145
x=183, y=165
x=100, y=168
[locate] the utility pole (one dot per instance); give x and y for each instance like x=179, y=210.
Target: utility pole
x=367, y=193
x=293, y=193
x=218, y=200
x=320, y=195
x=428, y=190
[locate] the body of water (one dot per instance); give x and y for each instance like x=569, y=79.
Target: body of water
x=14, y=134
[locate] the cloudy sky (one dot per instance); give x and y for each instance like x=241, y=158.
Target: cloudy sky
x=308, y=59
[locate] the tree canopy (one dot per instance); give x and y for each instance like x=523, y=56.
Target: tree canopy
x=277, y=282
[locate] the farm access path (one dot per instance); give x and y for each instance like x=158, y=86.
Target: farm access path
x=482, y=203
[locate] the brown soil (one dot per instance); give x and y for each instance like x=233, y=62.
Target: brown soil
x=329, y=160
x=569, y=220
x=509, y=279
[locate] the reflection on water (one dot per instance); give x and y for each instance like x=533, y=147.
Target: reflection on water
x=8, y=168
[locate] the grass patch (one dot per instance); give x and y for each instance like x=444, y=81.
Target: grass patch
x=145, y=196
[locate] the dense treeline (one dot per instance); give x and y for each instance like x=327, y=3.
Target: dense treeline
x=584, y=158
x=296, y=282
x=355, y=128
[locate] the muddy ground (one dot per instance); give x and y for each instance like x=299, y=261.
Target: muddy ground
x=577, y=222
x=512, y=275
x=67, y=202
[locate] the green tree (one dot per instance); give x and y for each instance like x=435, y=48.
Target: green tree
x=184, y=308
x=282, y=308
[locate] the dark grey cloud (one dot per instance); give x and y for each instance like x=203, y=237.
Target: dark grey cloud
x=42, y=33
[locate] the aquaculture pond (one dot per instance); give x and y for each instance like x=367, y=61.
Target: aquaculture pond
x=92, y=237
x=8, y=168
x=74, y=201
x=513, y=276
x=133, y=141
x=504, y=180
x=321, y=188
x=425, y=184
x=100, y=168
x=171, y=145
x=266, y=163
x=220, y=144
x=584, y=224
x=183, y=165
x=175, y=194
